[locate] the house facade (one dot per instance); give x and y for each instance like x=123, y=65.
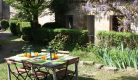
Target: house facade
x=4, y=10
x=93, y=22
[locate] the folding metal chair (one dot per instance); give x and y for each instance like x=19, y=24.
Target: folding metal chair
x=19, y=71
x=36, y=74
x=64, y=74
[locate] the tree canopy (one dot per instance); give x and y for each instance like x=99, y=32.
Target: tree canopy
x=29, y=9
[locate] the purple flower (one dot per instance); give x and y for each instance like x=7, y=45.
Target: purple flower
x=106, y=8
x=99, y=9
x=87, y=8
x=135, y=3
x=125, y=27
x=88, y=3
x=129, y=15
x=136, y=7
x=113, y=5
x=83, y=8
x=96, y=6
x=119, y=29
x=118, y=4
x=125, y=11
x=104, y=1
x=126, y=22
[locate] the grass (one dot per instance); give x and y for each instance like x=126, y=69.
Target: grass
x=85, y=72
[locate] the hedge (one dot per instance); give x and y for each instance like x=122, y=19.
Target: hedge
x=27, y=34
x=75, y=36
x=24, y=24
x=13, y=26
x=52, y=25
x=4, y=24
x=43, y=35
x=112, y=38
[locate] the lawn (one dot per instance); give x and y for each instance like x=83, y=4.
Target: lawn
x=86, y=72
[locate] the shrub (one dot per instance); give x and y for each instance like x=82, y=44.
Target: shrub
x=112, y=38
x=4, y=24
x=59, y=42
x=13, y=27
x=27, y=34
x=80, y=37
x=18, y=28
x=52, y=25
x=39, y=26
x=24, y=25
x=13, y=18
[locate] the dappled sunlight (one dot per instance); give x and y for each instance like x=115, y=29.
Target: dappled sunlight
x=18, y=39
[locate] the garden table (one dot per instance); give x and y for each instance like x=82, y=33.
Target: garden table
x=50, y=64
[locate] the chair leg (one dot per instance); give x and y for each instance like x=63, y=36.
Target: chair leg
x=22, y=76
x=15, y=76
x=45, y=77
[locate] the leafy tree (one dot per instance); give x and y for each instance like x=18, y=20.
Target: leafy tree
x=29, y=9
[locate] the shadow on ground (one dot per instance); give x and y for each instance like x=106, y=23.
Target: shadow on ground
x=11, y=45
x=4, y=35
x=80, y=78
x=126, y=78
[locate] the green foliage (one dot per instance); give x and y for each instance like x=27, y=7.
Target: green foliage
x=29, y=10
x=24, y=25
x=52, y=25
x=75, y=36
x=59, y=6
x=112, y=38
x=13, y=26
x=13, y=18
x=59, y=42
x=18, y=28
x=4, y=24
x=27, y=34
x=118, y=57
x=86, y=53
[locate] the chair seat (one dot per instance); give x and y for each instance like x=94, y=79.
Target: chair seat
x=21, y=70
x=39, y=74
x=62, y=72
x=61, y=68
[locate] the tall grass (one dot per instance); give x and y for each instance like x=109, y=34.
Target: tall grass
x=86, y=53
x=118, y=57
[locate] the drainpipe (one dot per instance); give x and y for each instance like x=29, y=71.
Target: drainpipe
x=1, y=6
x=2, y=9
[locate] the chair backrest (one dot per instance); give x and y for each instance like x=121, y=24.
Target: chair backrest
x=71, y=61
x=30, y=64
x=11, y=61
x=59, y=51
x=27, y=64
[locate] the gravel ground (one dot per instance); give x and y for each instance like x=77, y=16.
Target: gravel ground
x=6, y=51
x=4, y=34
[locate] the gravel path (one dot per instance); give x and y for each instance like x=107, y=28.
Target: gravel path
x=6, y=51
x=4, y=34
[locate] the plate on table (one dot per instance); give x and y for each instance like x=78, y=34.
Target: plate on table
x=69, y=57
x=40, y=54
x=20, y=55
x=37, y=60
